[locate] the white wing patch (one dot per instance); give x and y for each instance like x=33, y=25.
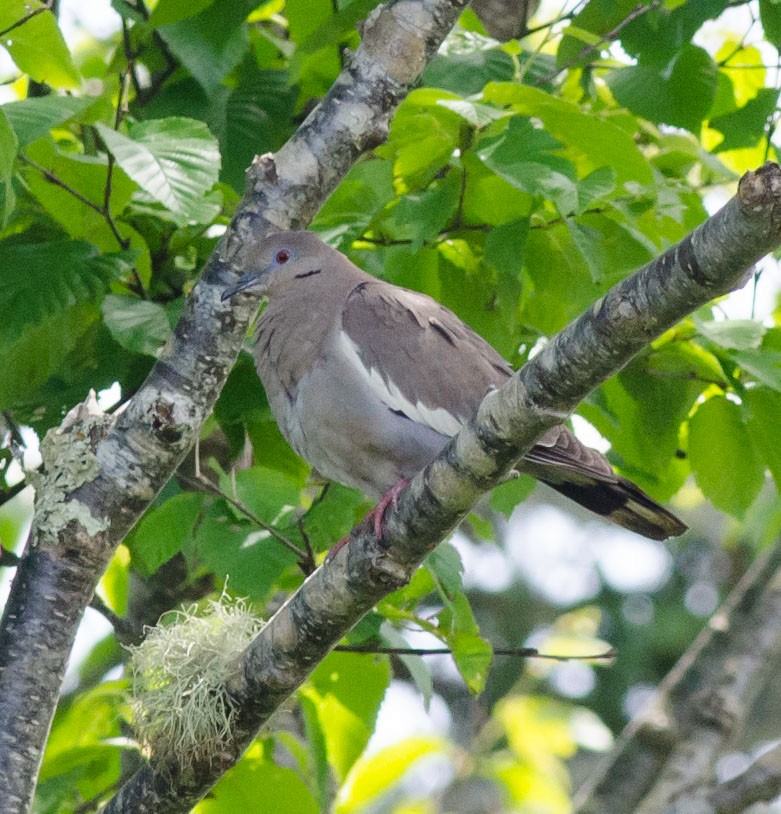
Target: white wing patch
x=438, y=418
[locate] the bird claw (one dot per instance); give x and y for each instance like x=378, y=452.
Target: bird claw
x=390, y=498
x=376, y=516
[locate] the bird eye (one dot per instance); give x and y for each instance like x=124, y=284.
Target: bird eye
x=282, y=256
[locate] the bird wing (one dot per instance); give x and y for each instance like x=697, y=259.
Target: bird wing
x=421, y=360
x=417, y=356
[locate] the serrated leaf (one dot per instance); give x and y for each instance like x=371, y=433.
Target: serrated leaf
x=175, y=160
x=37, y=46
x=722, y=456
x=141, y=326
x=268, y=493
x=55, y=277
x=163, y=530
x=734, y=334
x=34, y=117
x=596, y=185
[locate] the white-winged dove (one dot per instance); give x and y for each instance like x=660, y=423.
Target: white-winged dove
x=368, y=381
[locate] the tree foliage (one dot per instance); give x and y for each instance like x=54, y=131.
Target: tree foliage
x=519, y=182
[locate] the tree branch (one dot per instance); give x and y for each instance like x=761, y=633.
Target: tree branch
x=102, y=472
x=711, y=261
x=667, y=755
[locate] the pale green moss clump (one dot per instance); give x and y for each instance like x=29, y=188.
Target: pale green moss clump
x=178, y=698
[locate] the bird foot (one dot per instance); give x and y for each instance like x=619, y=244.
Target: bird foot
x=390, y=498
x=376, y=516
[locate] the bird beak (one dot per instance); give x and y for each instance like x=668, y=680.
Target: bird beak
x=247, y=281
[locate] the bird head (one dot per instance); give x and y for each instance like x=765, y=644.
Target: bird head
x=280, y=259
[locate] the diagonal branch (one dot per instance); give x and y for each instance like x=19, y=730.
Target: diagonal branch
x=102, y=472
x=712, y=260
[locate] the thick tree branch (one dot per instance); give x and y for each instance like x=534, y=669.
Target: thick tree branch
x=92, y=495
x=664, y=761
x=711, y=261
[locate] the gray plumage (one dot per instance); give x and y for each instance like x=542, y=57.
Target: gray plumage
x=368, y=381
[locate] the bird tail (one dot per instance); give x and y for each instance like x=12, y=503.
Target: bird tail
x=621, y=501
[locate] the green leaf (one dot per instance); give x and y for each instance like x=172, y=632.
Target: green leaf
x=250, y=558
x=747, y=125
x=596, y=18
x=333, y=516
x=416, y=665
x=238, y=789
x=347, y=690
x=762, y=409
x=37, y=46
x=34, y=117
x=163, y=531
x=176, y=161
x=595, y=186
x=268, y=493
x=141, y=326
x=8, y=148
x=770, y=14
x=86, y=175
x=733, y=334
x=366, y=190
x=722, y=456
x=423, y=135
x=528, y=158
x=213, y=42
x=685, y=360
x=375, y=775
x=466, y=63
x=421, y=216
x=679, y=93
x=172, y=11
x=473, y=656
x=764, y=365
x=56, y=276
x=595, y=140
x=473, y=112
x=255, y=118
x=337, y=27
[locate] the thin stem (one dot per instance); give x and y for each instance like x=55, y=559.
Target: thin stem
x=27, y=17
x=519, y=652
x=633, y=15
x=207, y=486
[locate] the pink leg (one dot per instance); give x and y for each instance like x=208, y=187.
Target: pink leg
x=375, y=516
x=390, y=498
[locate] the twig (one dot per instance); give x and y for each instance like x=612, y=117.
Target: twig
x=633, y=15
x=519, y=652
x=204, y=484
x=58, y=182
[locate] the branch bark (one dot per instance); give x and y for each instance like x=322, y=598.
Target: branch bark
x=711, y=261
x=102, y=473
x=664, y=761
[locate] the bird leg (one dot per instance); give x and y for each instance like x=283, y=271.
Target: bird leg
x=375, y=516
x=390, y=498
